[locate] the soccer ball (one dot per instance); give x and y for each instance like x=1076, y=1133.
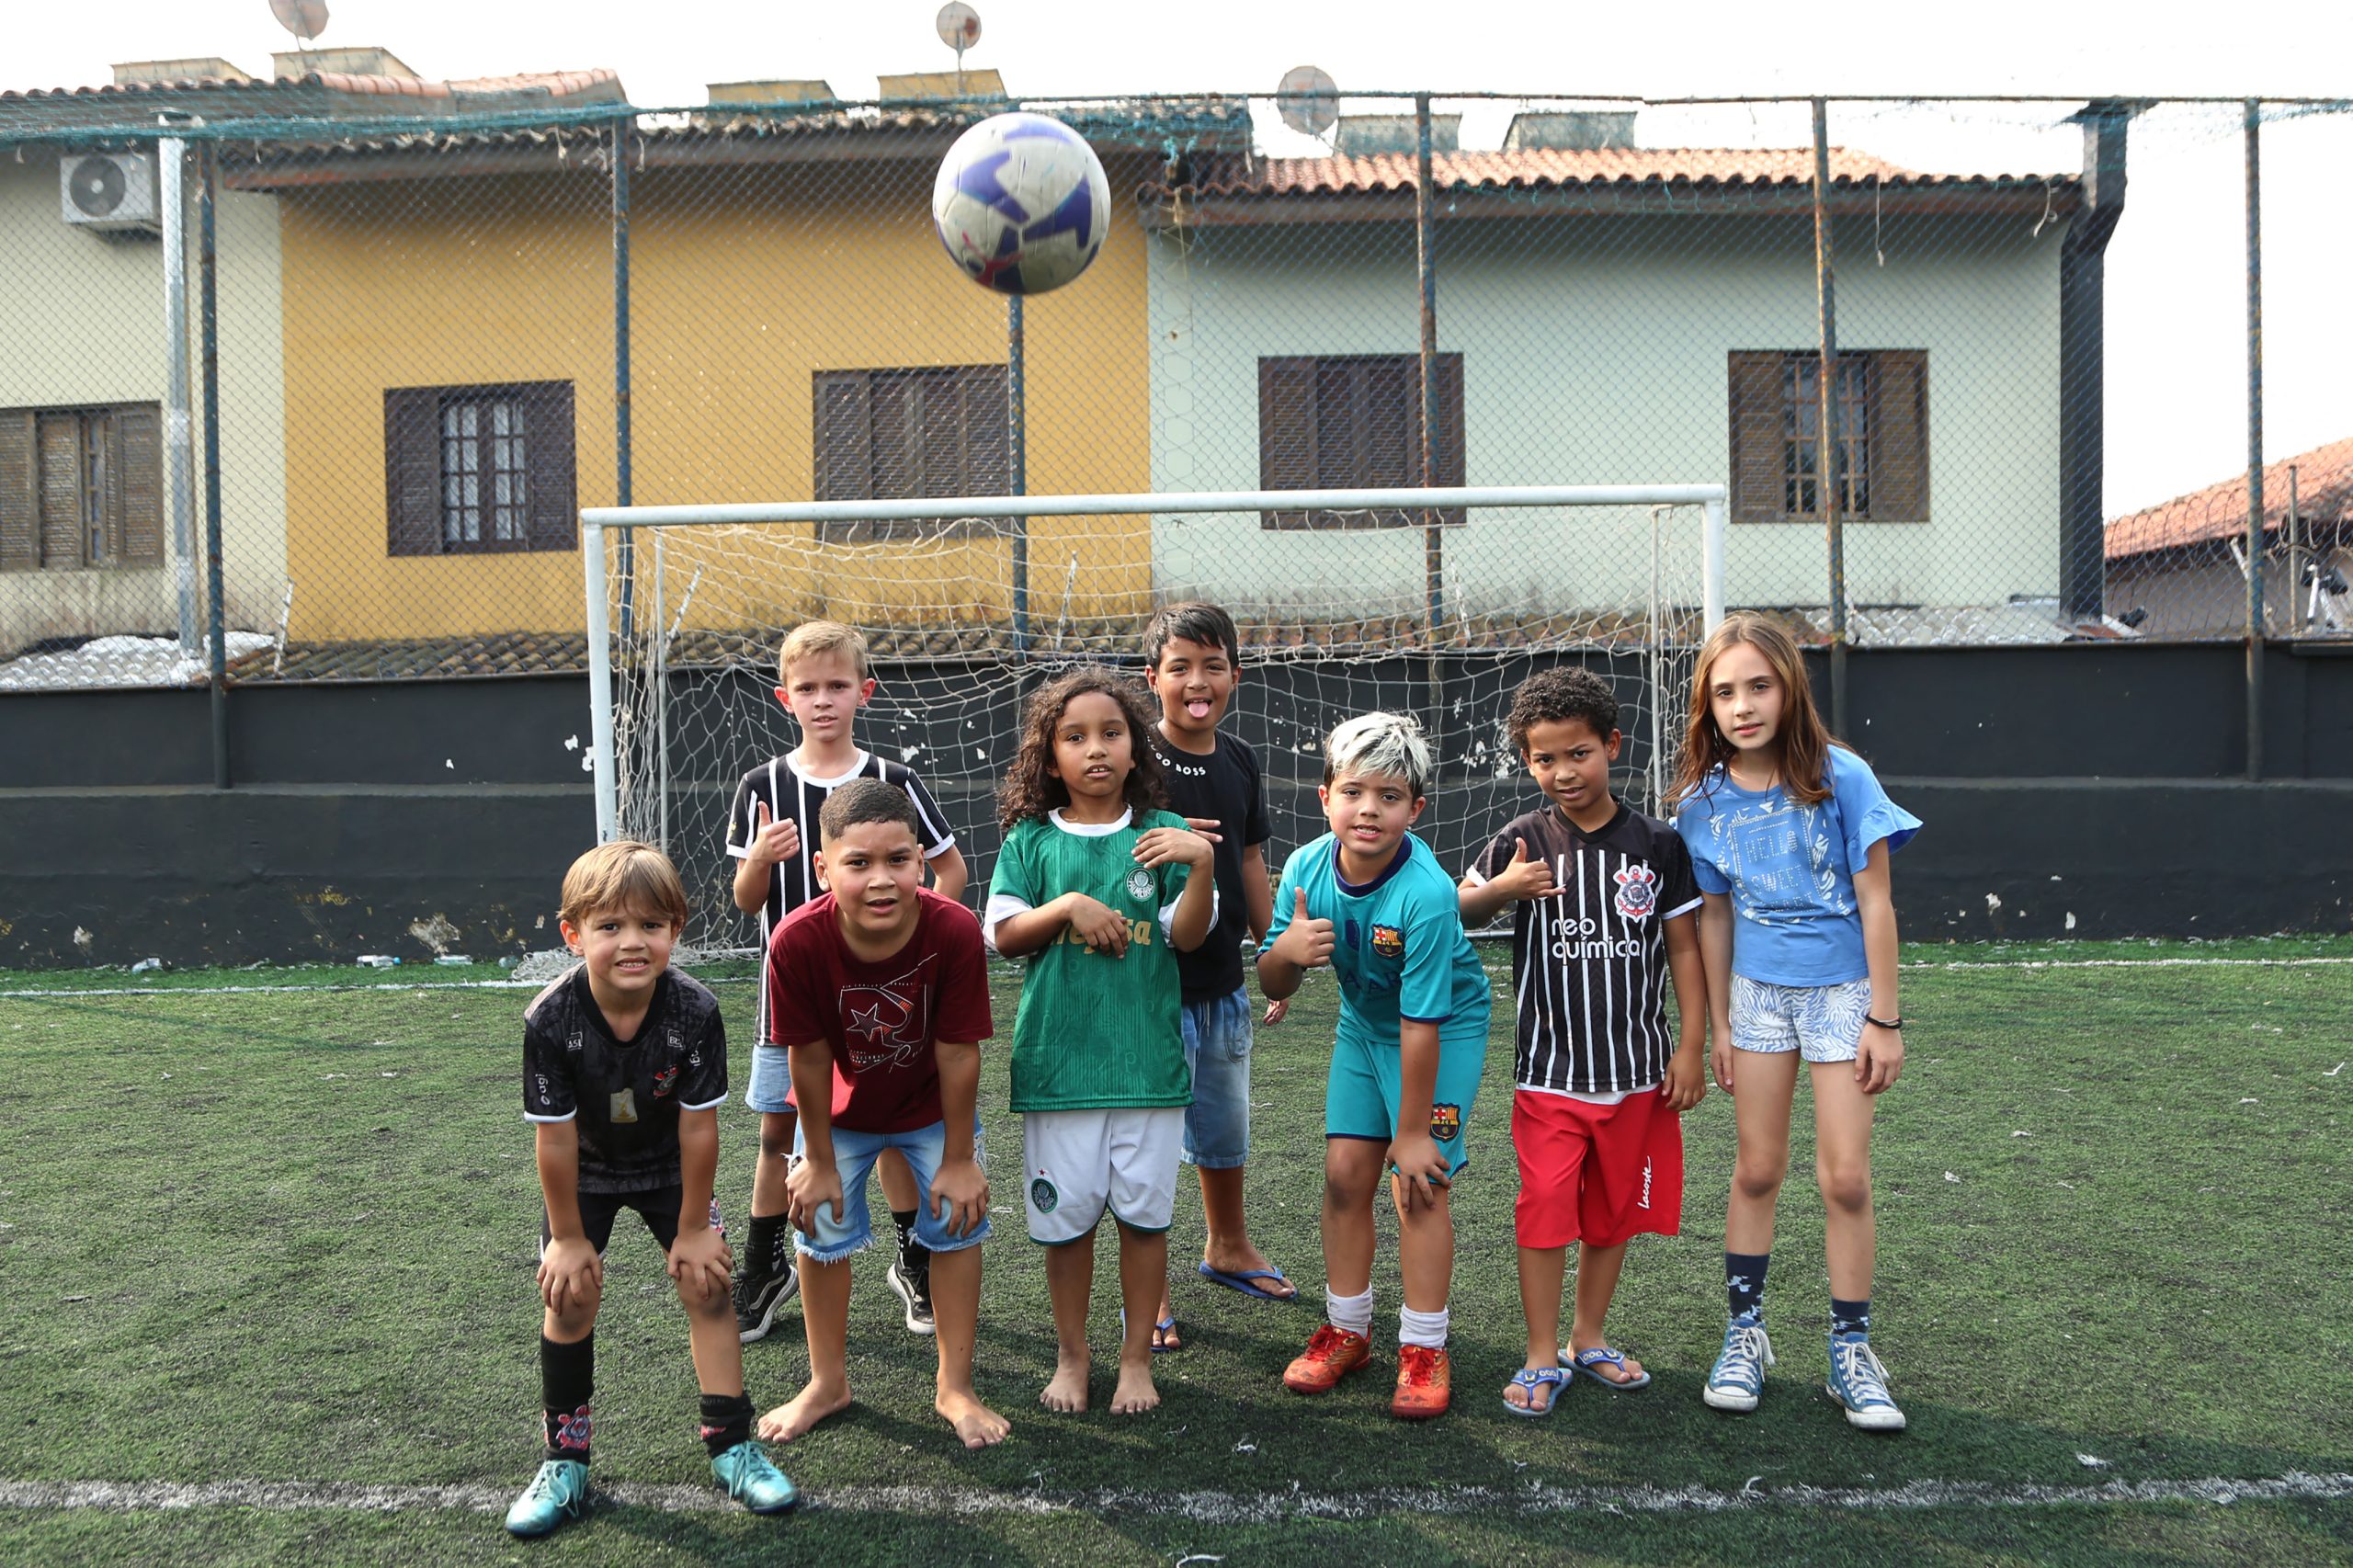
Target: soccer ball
x=1020, y=203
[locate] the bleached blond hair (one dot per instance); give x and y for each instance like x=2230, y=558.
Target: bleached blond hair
x=1380, y=745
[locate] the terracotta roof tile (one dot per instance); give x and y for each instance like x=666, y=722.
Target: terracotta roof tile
x=1533, y=168
x=2323, y=503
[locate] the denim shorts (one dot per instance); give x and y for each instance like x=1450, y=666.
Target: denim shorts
x=1823, y=1023
x=854, y=1156
x=1217, y=1051
x=771, y=1082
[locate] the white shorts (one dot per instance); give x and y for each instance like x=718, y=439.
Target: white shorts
x=1082, y=1162
x=1823, y=1023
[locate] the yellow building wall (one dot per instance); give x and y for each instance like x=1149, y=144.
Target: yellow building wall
x=745, y=281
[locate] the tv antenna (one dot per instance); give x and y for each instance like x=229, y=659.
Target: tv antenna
x=1308, y=99
x=959, y=26
x=306, y=19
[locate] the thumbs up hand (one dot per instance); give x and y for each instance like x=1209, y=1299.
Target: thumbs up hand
x=774, y=841
x=1525, y=878
x=1306, y=941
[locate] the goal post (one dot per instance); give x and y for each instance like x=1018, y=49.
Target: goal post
x=1662, y=554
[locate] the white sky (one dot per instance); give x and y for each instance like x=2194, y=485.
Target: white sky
x=2176, y=301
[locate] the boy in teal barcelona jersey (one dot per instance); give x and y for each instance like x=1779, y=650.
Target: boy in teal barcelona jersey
x=1372, y=901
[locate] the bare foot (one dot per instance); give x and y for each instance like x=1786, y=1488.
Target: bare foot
x=976, y=1423
x=1632, y=1372
x=808, y=1407
x=1066, y=1393
x=1136, y=1392
x=1243, y=1259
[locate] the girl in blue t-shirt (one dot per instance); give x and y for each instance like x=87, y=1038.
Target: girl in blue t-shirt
x=1789, y=835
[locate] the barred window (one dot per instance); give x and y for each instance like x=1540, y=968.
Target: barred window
x=476, y=468
x=1879, y=436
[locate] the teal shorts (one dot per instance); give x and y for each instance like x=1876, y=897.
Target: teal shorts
x=1360, y=1100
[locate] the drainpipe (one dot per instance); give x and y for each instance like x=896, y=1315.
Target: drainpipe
x=171, y=154
x=2083, y=353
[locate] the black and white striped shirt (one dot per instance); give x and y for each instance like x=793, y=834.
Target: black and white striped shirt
x=1589, y=965
x=789, y=793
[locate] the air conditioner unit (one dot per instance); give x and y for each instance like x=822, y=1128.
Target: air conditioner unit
x=110, y=192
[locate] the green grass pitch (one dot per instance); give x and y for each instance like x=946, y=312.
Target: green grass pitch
x=285, y=1236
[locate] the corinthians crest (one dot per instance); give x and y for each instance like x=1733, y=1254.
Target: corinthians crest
x=1637, y=897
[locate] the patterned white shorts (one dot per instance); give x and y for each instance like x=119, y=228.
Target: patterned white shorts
x=1823, y=1023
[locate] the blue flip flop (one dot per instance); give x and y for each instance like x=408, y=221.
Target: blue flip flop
x=1534, y=1378
x=1241, y=1281
x=1584, y=1361
x=1164, y=1328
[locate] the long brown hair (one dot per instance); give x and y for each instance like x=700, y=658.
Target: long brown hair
x=1029, y=788
x=1803, y=739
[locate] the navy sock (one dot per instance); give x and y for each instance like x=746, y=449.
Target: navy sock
x=1850, y=1317
x=764, y=1249
x=1745, y=1284
x=567, y=1382
x=726, y=1421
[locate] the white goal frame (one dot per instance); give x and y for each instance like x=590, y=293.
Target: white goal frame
x=595, y=520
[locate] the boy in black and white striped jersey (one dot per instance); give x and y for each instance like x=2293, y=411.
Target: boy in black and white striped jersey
x=1604, y=920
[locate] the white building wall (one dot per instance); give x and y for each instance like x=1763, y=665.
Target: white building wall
x=81, y=316
x=1596, y=354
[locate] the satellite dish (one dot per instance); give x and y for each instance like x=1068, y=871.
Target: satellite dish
x=959, y=24
x=1309, y=100
x=306, y=19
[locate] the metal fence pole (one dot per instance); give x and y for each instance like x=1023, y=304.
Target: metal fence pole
x=603, y=759
x=623, y=482
x=1016, y=454
x=209, y=326
x=1426, y=286
x=2254, y=439
x=1825, y=449
x=171, y=155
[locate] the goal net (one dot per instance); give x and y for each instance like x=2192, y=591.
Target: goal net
x=1435, y=602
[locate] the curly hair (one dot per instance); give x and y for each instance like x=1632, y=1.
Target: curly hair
x=1549, y=697
x=1029, y=788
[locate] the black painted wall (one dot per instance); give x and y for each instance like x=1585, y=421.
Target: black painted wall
x=2091, y=781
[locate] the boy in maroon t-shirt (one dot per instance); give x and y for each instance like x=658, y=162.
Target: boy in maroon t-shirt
x=879, y=991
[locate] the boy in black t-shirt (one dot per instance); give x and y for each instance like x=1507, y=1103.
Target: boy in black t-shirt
x=1604, y=919
x=624, y=1067
x=1191, y=662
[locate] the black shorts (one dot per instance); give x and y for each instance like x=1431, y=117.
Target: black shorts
x=658, y=1207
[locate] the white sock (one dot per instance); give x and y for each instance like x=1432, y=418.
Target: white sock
x=1426, y=1329
x=1351, y=1313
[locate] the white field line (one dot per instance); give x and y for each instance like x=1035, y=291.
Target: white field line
x=62, y=992
x=1203, y=1507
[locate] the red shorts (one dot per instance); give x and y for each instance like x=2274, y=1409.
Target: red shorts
x=1597, y=1174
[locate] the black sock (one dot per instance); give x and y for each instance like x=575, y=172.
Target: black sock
x=1850, y=1317
x=764, y=1248
x=1745, y=1284
x=904, y=1222
x=567, y=1382
x=726, y=1421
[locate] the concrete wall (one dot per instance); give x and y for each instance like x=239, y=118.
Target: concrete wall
x=1595, y=352
x=81, y=316
x=2203, y=593
x=746, y=280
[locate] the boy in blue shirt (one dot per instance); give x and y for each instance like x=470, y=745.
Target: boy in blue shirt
x=1370, y=900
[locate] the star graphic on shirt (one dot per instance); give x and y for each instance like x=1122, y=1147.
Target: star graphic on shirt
x=869, y=1024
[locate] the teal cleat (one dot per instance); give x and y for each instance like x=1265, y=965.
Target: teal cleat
x=557, y=1495
x=745, y=1473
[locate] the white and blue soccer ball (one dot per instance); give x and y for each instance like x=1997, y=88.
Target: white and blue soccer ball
x=1020, y=203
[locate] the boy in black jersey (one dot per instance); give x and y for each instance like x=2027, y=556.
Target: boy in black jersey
x=824, y=679
x=1604, y=920
x=624, y=1067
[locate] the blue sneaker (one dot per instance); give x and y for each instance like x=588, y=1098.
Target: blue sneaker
x=1738, y=1378
x=1858, y=1383
x=745, y=1473
x=557, y=1495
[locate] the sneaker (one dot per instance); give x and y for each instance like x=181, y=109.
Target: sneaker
x=1738, y=1378
x=747, y=1475
x=557, y=1495
x=758, y=1297
x=1858, y=1383
x=913, y=1286
x=1330, y=1355
x=1425, y=1384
